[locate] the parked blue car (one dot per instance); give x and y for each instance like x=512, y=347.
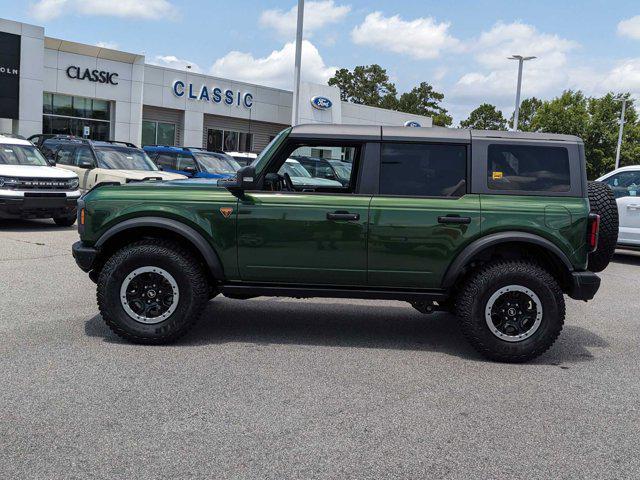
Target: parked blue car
x=193, y=162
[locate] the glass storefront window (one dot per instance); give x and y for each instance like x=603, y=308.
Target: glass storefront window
x=166, y=134
x=148, y=133
x=81, y=107
x=158, y=133
x=231, y=141
x=47, y=103
x=63, y=105
x=100, y=110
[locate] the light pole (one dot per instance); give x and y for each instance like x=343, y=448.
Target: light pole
x=521, y=61
x=624, y=107
x=296, y=73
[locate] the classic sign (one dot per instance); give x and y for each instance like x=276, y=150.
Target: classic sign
x=96, y=76
x=212, y=94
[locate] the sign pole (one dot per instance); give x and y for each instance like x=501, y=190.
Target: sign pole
x=296, y=78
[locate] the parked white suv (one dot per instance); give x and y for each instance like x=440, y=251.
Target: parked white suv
x=625, y=183
x=31, y=188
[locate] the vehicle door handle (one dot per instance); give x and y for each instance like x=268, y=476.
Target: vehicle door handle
x=340, y=215
x=633, y=206
x=455, y=219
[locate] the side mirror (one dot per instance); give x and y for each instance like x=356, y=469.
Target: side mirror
x=86, y=164
x=51, y=162
x=245, y=179
x=191, y=171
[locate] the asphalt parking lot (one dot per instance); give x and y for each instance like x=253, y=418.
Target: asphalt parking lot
x=280, y=388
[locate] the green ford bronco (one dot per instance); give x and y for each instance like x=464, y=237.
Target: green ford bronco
x=495, y=227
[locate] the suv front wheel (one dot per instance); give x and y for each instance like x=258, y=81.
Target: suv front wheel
x=152, y=292
x=511, y=311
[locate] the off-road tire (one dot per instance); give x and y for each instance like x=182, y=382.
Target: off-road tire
x=472, y=299
x=603, y=202
x=185, y=269
x=65, y=221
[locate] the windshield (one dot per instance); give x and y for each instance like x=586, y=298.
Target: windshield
x=258, y=164
x=21, y=155
x=119, y=158
x=342, y=169
x=294, y=169
x=217, y=162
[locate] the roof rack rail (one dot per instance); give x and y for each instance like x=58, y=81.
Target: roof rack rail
x=128, y=144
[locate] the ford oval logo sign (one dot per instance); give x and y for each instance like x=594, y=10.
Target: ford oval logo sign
x=412, y=123
x=321, y=103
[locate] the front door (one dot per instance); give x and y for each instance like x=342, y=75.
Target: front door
x=314, y=233
x=422, y=215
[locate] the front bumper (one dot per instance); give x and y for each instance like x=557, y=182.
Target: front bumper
x=84, y=256
x=38, y=205
x=584, y=285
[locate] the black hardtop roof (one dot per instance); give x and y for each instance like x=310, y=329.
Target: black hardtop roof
x=440, y=134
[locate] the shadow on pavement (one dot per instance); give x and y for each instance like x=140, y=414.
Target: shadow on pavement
x=284, y=322
x=626, y=257
x=40, y=225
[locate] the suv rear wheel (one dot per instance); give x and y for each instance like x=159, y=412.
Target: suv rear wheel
x=152, y=292
x=511, y=311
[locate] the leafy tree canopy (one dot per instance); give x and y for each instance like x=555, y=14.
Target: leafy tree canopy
x=370, y=85
x=485, y=117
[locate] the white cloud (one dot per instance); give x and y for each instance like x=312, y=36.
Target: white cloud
x=276, y=69
x=422, y=38
x=317, y=14
x=109, y=45
x=44, y=10
x=630, y=27
x=171, y=61
x=495, y=79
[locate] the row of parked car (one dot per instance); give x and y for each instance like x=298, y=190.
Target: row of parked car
x=31, y=188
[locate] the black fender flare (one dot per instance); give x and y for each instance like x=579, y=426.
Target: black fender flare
x=480, y=244
x=206, y=250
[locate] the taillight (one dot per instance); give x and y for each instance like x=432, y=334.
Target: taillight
x=593, y=231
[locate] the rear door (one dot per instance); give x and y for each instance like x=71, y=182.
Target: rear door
x=422, y=216
x=626, y=188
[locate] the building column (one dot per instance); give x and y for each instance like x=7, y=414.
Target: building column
x=193, y=126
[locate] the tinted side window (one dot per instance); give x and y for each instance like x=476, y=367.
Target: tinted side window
x=624, y=184
x=166, y=161
x=83, y=154
x=65, y=155
x=528, y=168
x=185, y=161
x=423, y=170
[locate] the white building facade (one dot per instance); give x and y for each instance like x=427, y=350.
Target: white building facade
x=49, y=85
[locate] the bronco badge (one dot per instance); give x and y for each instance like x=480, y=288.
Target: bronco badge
x=226, y=211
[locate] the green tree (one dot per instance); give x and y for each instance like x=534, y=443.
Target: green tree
x=366, y=85
x=601, y=138
x=370, y=85
x=485, y=117
x=566, y=114
x=424, y=100
x=528, y=109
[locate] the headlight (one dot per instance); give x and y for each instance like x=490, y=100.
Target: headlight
x=73, y=183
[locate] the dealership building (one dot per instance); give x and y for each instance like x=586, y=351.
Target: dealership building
x=50, y=85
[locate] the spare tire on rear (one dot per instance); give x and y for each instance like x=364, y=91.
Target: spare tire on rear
x=603, y=202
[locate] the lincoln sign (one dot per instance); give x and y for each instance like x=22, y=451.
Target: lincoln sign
x=9, y=75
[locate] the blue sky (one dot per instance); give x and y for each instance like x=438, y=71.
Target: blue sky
x=459, y=46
